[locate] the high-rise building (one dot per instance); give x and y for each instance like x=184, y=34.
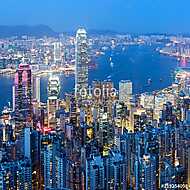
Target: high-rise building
x=145, y=173
x=57, y=52
x=23, y=95
x=27, y=142
x=125, y=90
x=114, y=171
x=49, y=164
x=103, y=92
x=95, y=173
x=53, y=95
x=61, y=170
x=36, y=88
x=35, y=158
x=55, y=164
x=16, y=175
x=81, y=63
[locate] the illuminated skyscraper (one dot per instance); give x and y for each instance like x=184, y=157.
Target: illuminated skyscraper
x=23, y=95
x=16, y=175
x=53, y=95
x=145, y=173
x=81, y=63
x=95, y=173
x=125, y=90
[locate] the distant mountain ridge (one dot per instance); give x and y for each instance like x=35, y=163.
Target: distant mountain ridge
x=21, y=30
x=44, y=30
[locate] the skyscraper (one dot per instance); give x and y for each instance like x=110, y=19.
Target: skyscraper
x=145, y=173
x=27, y=142
x=95, y=173
x=57, y=53
x=16, y=174
x=81, y=63
x=53, y=95
x=23, y=94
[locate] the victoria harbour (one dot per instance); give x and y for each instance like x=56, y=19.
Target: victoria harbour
x=136, y=63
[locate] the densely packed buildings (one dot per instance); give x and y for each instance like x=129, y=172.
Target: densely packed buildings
x=102, y=138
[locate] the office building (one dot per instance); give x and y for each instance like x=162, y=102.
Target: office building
x=81, y=63
x=53, y=100
x=57, y=52
x=23, y=95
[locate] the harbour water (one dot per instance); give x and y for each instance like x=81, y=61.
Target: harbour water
x=139, y=64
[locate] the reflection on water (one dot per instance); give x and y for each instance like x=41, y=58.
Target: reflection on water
x=138, y=63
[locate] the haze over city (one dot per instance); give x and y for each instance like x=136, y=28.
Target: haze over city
x=136, y=16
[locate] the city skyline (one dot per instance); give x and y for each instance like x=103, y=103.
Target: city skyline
x=146, y=16
x=97, y=110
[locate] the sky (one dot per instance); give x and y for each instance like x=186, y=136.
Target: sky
x=137, y=16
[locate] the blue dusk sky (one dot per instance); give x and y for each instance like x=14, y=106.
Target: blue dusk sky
x=170, y=16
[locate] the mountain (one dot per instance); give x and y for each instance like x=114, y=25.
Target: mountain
x=21, y=30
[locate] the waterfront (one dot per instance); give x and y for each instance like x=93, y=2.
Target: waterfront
x=136, y=63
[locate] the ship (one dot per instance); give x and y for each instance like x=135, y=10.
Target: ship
x=109, y=77
x=149, y=82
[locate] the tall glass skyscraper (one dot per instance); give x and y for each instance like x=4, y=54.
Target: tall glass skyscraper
x=23, y=94
x=81, y=63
